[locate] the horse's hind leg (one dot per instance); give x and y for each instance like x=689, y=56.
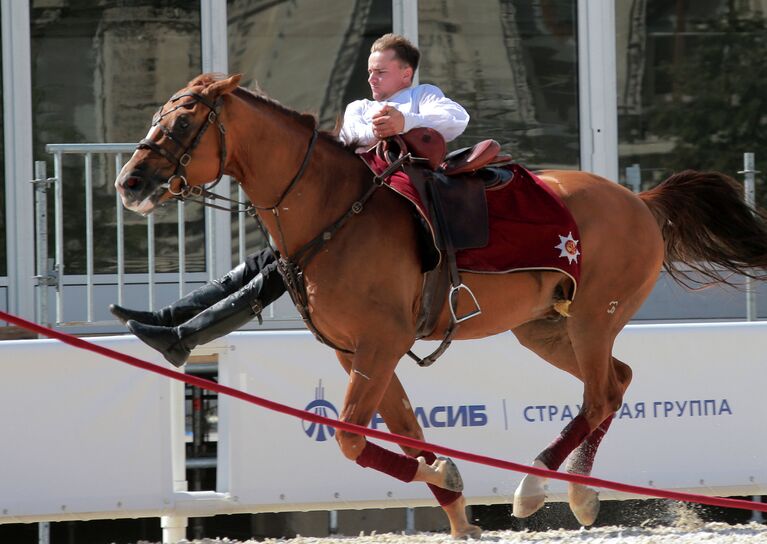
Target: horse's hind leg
x=584, y=501
x=551, y=341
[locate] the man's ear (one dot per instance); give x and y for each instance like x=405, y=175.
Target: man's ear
x=410, y=73
x=225, y=86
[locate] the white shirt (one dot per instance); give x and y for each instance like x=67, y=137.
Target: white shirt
x=421, y=106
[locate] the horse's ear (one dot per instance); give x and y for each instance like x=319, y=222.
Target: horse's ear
x=224, y=86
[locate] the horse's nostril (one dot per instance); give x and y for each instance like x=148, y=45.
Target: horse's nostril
x=132, y=182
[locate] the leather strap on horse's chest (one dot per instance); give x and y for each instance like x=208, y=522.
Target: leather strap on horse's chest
x=293, y=277
x=291, y=267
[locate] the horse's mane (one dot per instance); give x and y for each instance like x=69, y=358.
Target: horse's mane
x=257, y=96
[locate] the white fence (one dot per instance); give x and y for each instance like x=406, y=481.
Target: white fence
x=87, y=437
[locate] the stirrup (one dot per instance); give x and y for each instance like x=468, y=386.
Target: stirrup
x=453, y=298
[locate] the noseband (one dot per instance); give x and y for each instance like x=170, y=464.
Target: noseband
x=181, y=189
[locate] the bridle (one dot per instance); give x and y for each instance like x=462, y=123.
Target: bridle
x=291, y=267
x=201, y=192
x=177, y=184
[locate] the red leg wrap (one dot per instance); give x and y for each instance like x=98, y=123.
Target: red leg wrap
x=583, y=459
x=572, y=436
x=444, y=496
x=398, y=465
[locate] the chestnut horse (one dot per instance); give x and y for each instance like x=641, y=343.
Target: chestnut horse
x=363, y=286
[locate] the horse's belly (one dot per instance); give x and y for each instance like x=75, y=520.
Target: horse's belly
x=505, y=301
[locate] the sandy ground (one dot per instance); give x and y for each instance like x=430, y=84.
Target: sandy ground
x=684, y=532
x=672, y=523
x=709, y=533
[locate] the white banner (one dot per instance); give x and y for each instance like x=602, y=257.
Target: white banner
x=85, y=437
x=693, y=417
x=82, y=433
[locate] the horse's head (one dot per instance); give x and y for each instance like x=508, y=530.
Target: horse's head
x=179, y=153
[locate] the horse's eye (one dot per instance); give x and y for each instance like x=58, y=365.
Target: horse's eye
x=182, y=122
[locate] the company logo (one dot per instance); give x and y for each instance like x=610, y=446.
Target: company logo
x=439, y=416
x=323, y=408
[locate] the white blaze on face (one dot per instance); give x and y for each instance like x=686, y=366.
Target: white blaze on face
x=152, y=130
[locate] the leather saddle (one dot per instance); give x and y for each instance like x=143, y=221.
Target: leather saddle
x=452, y=188
x=427, y=146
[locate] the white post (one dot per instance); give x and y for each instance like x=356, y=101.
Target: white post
x=41, y=183
x=17, y=123
x=44, y=532
x=409, y=521
x=215, y=59
x=405, y=22
x=749, y=173
x=634, y=178
x=598, y=88
x=173, y=528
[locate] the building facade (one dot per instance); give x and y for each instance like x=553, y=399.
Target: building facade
x=629, y=89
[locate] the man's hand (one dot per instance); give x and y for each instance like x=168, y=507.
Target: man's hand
x=388, y=122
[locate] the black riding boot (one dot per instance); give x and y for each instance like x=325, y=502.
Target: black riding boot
x=192, y=304
x=176, y=343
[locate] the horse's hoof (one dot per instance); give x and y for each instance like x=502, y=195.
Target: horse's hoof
x=584, y=503
x=470, y=531
x=452, y=480
x=460, y=528
x=530, y=495
x=525, y=507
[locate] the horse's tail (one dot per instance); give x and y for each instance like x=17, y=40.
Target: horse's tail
x=708, y=227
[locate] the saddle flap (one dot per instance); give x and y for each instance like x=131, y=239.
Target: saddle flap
x=456, y=205
x=463, y=201
x=470, y=159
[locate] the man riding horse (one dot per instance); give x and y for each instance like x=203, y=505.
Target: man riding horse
x=224, y=305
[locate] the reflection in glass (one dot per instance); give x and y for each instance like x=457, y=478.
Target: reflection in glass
x=691, y=80
x=311, y=56
x=513, y=65
x=3, y=246
x=99, y=72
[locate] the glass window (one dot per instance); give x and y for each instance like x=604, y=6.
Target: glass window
x=3, y=245
x=691, y=79
x=99, y=72
x=513, y=65
x=311, y=56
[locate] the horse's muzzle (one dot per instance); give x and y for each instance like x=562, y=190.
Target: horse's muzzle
x=139, y=193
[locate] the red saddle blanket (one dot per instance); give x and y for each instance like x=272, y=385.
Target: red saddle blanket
x=530, y=227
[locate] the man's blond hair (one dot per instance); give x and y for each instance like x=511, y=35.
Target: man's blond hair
x=404, y=51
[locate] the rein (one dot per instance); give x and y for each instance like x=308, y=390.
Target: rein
x=291, y=268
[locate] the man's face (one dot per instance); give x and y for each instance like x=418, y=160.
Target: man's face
x=387, y=75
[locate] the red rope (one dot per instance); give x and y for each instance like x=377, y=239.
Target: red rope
x=374, y=433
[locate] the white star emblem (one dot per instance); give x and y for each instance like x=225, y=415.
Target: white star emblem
x=568, y=247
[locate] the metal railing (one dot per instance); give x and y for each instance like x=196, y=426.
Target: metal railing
x=51, y=273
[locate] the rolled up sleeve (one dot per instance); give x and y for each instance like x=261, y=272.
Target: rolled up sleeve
x=437, y=111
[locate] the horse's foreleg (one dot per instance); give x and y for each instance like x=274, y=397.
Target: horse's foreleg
x=397, y=412
x=369, y=378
